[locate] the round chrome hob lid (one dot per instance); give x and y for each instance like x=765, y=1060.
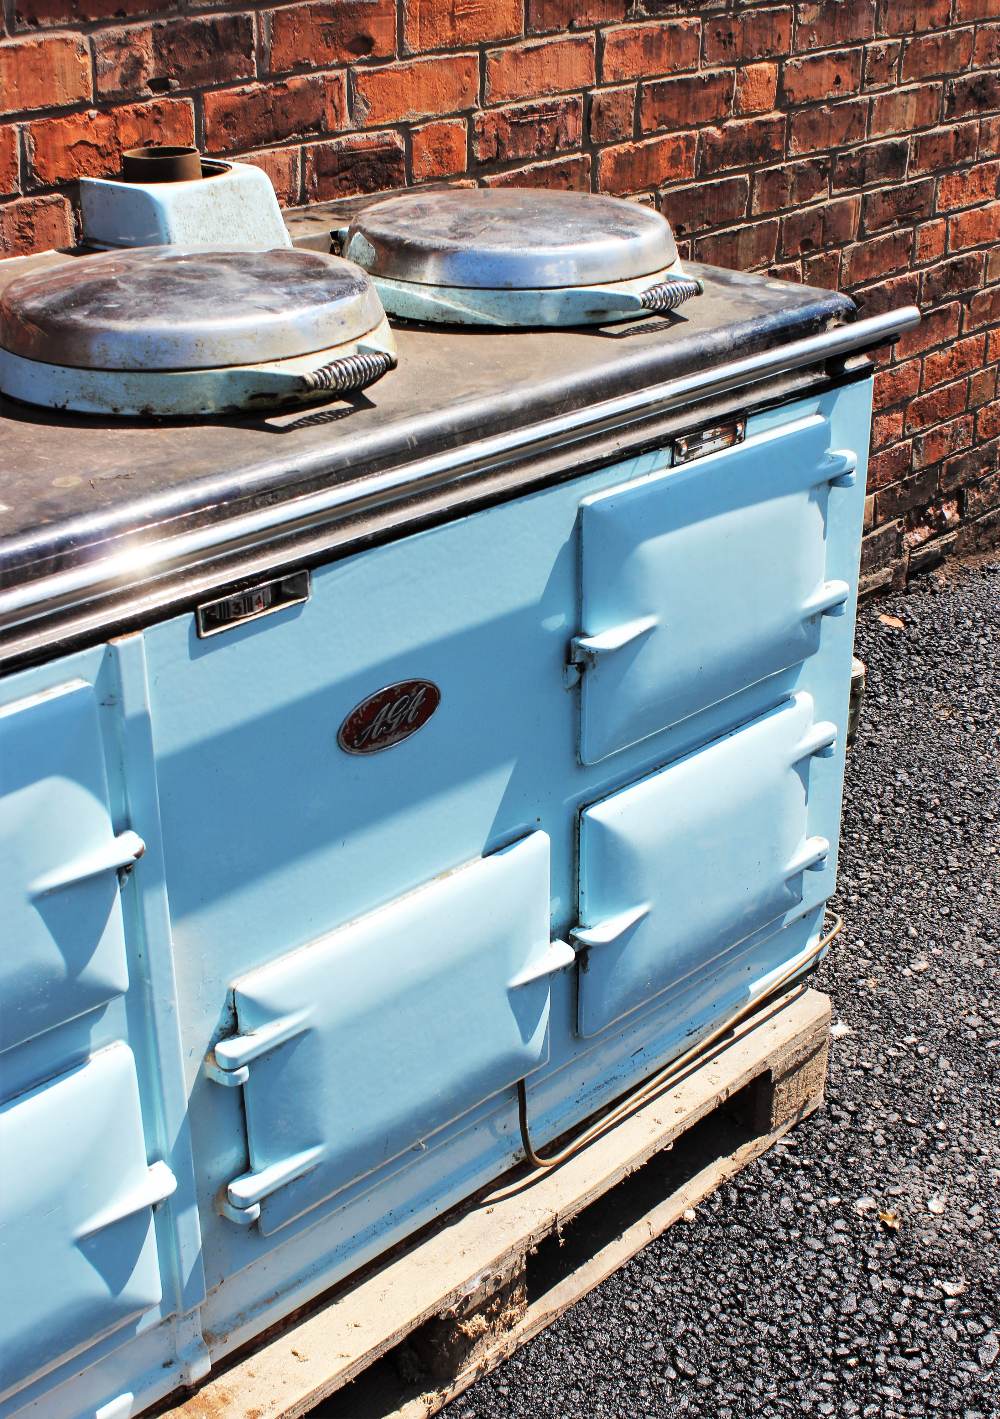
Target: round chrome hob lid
x=179, y=308
x=509, y=239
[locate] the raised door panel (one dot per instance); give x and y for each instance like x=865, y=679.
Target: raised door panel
x=64, y=948
x=682, y=866
x=78, y=1255
x=702, y=580
x=364, y=1043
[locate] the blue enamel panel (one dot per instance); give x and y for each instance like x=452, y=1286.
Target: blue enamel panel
x=363, y=1043
x=704, y=579
x=696, y=858
x=64, y=944
x=78, y=1253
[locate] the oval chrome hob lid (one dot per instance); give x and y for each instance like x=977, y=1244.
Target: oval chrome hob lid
x=517, y=256
x=166, y=331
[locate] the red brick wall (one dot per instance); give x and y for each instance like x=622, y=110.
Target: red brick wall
x=851, y=143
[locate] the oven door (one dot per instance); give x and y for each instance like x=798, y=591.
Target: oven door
x=360, y=1046
x=77, y=1240
x=684, y=865
x=702, y=580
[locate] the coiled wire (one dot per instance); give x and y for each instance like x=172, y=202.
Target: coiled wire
x=350, y=372
x=669, y=294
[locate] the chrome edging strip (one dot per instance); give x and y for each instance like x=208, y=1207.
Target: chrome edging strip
x=141, y=560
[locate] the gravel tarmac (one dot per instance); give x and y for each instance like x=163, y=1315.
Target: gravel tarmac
x=786, y=1293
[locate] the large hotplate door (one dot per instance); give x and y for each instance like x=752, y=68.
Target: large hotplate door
x=59, y=863
x=361, y=1045
x=702, y=580
x=78, y=1250
x=685, y=864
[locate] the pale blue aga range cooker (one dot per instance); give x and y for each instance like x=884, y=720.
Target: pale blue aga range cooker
x=362, y=763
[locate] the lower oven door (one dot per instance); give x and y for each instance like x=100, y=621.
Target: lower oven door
x=356, y=1048
x=684, y=865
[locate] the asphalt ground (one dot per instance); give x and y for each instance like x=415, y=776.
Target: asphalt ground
x=854, y=1269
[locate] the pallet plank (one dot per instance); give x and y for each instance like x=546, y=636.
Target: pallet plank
x=476, y=1246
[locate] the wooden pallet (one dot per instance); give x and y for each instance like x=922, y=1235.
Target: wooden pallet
x=416, y=1329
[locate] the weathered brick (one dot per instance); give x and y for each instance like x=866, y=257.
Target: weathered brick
x=696, y=98
x=636, y=167
x=741, y=143
x=171, y=54
x=936, y=406
x=439, y=149
x=448, y=24
x=754, y=34
x=9, y=164
x=905, y=109
x=952, y=277
x=936, y=327
x=36, y=14
x=256, y=114
x=824, y=225
x=749, y=247
x=988, y=421
x=566, y=14
x=976, y=10
x=878, y=257
x=612, y=114
x=942, y=147
x=912, y=16
x=528, y=130
x=889, y=294
x=975, y=227
x=53, y=72
x=982, y=386
x=983, y=308
x=572, y=174
x=971, y=185
x=874, y=162
x=887, y=428
x=91, y=144
x=947, y=52
x=987, y=47
x=706, y=204
x=35, y=224
x=821, y=76
x=964, y=469
x=416, y=88
x=364, y=162
x=540, y=67
x=828, y=126
x=330, y=32
x=972, y=94
x=890, y=206
x=943, y=441
x=929, y=241
x=959, y=358
x=640, y=51
x=790, y=185
x=881, y=66
x=284, y=167
x=981, y=497
x=896, y=383
x=823, y=270
x=821, y=24
x=889, y=466
x=900, y=497
x=756, y=88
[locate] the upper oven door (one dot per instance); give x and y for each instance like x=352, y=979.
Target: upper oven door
x=702, y=580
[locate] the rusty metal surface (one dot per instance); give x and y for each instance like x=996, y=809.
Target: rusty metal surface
x=509, y=238
x=170, y=308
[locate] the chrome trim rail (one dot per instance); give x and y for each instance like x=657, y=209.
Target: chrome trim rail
x=140, y=560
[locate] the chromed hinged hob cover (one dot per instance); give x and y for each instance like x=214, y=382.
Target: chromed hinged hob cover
x=514, y=256
x=173, y=330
